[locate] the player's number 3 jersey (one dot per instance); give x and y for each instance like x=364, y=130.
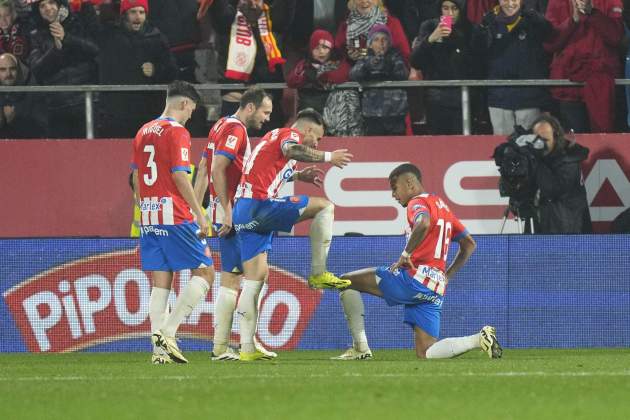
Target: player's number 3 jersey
x=443, y=228
x=267, y=169
x=160, y=148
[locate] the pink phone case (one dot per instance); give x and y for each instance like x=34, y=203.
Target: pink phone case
x=447, y=20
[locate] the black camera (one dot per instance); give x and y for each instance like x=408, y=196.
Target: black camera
x=517, y=160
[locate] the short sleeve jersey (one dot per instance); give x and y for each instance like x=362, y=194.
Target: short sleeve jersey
x=267, y=169
x=160, y=148
x=443, y=227
x=228, y=137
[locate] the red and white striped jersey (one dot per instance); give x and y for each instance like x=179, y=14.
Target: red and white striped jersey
x=267, y=169
x=161, y=147
x=443, y=226
x=228, y=137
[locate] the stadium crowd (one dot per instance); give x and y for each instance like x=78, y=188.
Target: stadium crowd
x=130, y=42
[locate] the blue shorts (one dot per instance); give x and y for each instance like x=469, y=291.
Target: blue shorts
x=173, y=248
x=255, y=221
x=422, y=305
x=230, y=249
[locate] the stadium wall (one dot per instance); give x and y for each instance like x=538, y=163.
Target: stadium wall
x=54, y=188
x=63, y=295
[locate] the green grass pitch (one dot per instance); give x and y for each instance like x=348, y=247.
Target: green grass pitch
x=525, y=384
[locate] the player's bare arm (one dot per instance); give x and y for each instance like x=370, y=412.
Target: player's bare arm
x=201, y=180
x=220, y=165
x=303, y=153
x=311, y=174
x=181, y=180
x=467, y=246
x=136, y=192
x=418, y=234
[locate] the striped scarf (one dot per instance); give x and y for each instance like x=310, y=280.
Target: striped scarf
x=359, y=24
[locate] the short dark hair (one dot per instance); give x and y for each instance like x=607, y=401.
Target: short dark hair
x=311, y=115
x=405, y=168
x=254, y=95
x=185, y=89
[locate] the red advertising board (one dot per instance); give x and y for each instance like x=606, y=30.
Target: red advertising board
x=80, y=187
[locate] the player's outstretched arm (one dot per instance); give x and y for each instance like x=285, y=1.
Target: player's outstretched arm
x=467, y=246
x=201, y=180
x=303, y=153
x=181, y=180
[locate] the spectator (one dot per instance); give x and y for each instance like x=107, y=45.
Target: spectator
x=315, y=75
x=511, y=40
x=177, y=20
x=585, y=47
x=132, y=53
x=383, y=110
x=248, y=51
x=64, y=53
x=22, y=115
x=352, y=34
x=13, y=33
x=443, y=53
x=563, y=206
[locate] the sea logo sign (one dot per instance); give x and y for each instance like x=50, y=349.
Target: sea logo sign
x=105, y=298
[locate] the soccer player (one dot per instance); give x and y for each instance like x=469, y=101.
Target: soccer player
x=418, y=279
x=258, y=212
x=221, y=168
x=173, y=226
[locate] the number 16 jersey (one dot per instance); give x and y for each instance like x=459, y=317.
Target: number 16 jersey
x=161, y=147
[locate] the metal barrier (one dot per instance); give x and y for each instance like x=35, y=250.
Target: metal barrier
x=465, y=86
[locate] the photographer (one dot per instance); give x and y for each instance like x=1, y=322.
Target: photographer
x=562, y=203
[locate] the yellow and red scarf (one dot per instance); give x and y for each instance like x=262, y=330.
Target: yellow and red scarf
x=242, y=49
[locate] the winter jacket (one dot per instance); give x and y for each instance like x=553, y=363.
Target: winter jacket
x=586, y=48
x=74, y=63
x=378, y=102
x=314, y=88
x=451, y=59
x=515, y=54
x=399, y=39
x=31, y=113
x=563, y=206
x=16, y=41
x=223, y=14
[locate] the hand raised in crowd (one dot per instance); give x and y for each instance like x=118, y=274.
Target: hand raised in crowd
x=584, y=6
x=9, y=113
x=148, y=69
x=441, y=31
x=58, y=34
x=355, y=53
x=341, y=158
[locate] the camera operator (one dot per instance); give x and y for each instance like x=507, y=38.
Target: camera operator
x=562, y=205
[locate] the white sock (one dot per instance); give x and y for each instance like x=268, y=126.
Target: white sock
x=453, y=346
x=355, y=315
x=223, y=316
x=321, y=236
x=158, y=306
x=196, y=289
x=247, y=311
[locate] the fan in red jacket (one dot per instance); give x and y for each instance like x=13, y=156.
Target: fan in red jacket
x=585, y=47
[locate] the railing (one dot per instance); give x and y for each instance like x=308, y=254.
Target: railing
x=465, y=86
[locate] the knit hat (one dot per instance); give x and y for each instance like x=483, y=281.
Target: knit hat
x=379, y=29
x=321, y=36
x=130, y=4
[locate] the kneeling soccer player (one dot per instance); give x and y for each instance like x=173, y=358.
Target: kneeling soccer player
x=418, y=279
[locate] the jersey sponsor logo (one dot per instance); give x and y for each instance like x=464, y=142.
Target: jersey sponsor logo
x=436, y=300
x=231, y=141
x=103, y=298
x=185, y=154
x=152, y=230
x=156, y=129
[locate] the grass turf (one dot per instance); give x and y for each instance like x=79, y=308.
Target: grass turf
x=525, y=384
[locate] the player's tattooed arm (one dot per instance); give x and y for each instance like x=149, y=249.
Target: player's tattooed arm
x=303, y=153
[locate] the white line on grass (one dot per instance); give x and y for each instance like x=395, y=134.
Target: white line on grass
x=315, y=375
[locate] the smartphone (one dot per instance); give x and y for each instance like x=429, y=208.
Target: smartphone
x=447, y=20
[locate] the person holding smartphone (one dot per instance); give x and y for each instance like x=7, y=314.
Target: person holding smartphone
x=443, y=51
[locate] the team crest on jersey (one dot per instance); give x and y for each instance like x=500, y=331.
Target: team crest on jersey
x=184, y=154
x=231, y=141
x=295, y=136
